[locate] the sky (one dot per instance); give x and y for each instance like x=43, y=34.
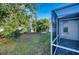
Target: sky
x=44, y=9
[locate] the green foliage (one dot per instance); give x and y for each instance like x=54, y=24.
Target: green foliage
x=41, y=25
x=13, y=16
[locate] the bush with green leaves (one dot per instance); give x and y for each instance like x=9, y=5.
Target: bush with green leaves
x=13, y=16
x=41, y=25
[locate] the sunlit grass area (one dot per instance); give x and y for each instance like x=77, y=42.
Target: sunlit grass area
x=30, y=44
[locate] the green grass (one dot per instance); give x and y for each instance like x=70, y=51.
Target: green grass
x=27, y=44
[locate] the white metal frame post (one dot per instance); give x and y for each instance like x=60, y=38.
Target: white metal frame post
x=51, y=40
x=53, y=20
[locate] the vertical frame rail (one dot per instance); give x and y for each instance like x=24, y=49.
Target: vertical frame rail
x=53, y=32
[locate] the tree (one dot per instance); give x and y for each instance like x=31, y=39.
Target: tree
x=45, y=24
x=41, y=25
x=15, y=16
x=32, y=14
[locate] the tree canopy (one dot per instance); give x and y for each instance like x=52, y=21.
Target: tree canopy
x=15, y=16
x=41, y=25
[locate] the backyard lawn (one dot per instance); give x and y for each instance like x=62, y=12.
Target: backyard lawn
x=27, y=44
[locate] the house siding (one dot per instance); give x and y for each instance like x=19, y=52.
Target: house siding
x=73, y=30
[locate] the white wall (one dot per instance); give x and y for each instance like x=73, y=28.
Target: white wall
x=73, y=30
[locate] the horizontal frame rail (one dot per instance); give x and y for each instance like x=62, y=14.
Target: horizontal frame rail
x=66, y=48
x=69, y=19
